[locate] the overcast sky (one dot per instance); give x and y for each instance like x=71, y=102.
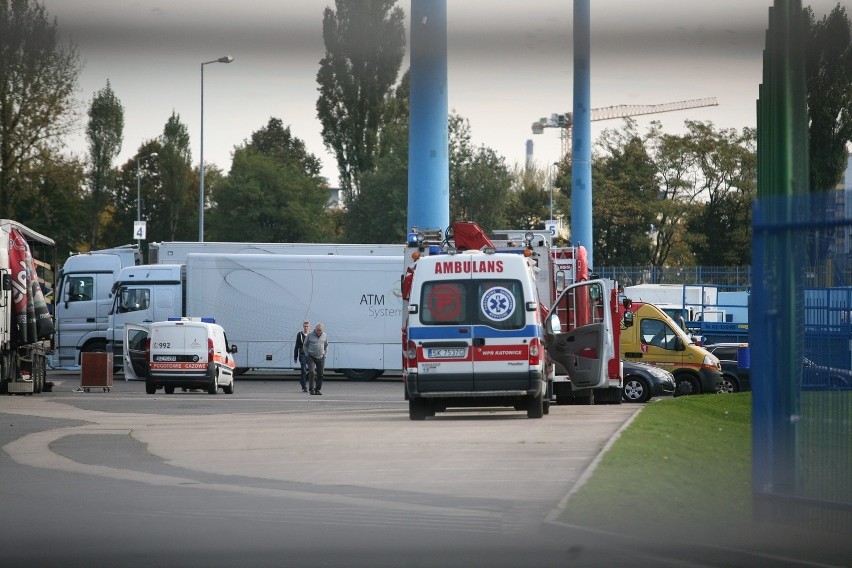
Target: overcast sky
x=510, y=63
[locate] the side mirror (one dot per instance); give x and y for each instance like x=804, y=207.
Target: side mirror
x=6, y=281
x=627, y=303
x=233, y=349
x=553, y=325
x=628, y=319
x=679, y=344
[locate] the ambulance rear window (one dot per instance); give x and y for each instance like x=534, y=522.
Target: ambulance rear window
x=495, y=303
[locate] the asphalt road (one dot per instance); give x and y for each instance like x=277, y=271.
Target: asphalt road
x=271, y=476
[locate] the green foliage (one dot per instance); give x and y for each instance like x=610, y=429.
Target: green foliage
x=378, y=214
x=38, y=78
x=273, y=193
x=104, y=132
x=178, y=191
x=364, y=43
x=684, y=462
x=828, y=67
x=480, y=180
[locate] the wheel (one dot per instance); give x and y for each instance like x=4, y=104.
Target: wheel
x=417, y=409
x=214, y=386
x=361, y=374
x=240, y=371
x=535, y=407
x=169, y=390
x=730, y=384
x=229, y=389
x=635, y=390
x=548, y=396
x=686, y=385
x=150, y=388
x=87, y=390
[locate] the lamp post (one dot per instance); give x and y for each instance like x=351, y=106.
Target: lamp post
x=139, y=189
x=225, y=59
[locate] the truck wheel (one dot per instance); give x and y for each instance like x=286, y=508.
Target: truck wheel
x=535, y=407
x=169, y=390
x=686, y=385
x=361, y=374
x=636, y=390
x=150, y=388
x=416, y=409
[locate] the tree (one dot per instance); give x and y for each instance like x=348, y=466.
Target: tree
x=273, y=193
x=828, y=70
x=38, y=77
x=480, y=180
x=529, y=200
x=378, y=214
x=104, y=132
x=175, y=161
x=365, y=43
x=625, y=198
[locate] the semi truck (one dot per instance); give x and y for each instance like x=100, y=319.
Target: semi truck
x=261, y=301
x=87, y=279
x=84, y=299
x=27, y=281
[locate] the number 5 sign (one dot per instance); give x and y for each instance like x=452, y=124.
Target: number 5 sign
x=550, y=226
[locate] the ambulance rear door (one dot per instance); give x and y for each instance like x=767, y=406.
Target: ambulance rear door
x=443, y=335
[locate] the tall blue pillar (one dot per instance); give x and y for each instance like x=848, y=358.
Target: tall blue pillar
x=428, y=147
x=581, y=135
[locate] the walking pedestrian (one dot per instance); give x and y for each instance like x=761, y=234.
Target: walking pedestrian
x=299, y=354
x=315, y=347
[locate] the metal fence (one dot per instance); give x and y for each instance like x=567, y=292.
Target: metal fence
x=801, y=357
x=739, y=276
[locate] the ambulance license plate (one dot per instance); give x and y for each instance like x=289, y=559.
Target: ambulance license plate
x=446, y=353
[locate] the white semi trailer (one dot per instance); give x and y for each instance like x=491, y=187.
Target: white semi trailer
x=261, y=301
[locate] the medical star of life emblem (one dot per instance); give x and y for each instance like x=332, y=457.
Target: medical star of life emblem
x=498, y=304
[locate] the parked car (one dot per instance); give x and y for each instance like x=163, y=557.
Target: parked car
x=820, y=377
x=734, y=378
x=643, y=381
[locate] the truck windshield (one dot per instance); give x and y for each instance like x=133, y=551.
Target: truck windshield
x=133, y=300
x=495, y=303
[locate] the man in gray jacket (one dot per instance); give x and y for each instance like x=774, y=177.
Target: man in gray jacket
x=315, y=347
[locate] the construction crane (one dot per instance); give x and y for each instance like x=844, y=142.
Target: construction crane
x=566, y=121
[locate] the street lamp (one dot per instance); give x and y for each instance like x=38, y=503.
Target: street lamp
x=139, y=189
x=225, y=59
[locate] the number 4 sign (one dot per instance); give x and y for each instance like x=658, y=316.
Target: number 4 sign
x=139, y=230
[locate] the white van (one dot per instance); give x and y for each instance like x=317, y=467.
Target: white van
x=189, y=353
x=474, y=334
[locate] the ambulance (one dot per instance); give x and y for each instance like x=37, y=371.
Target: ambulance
x=473, y=334
x=189, y=353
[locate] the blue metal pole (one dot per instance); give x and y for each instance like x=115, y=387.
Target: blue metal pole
x=581, y=133
x=428, y=149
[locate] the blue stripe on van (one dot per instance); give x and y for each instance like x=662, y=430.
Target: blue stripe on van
x=454, y=331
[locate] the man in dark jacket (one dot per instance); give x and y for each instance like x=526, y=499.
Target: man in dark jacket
x=299, y=354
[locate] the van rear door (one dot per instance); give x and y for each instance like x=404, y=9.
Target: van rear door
x=580, y=333
x=501, y=337
x=443, y=336
x=135, y=353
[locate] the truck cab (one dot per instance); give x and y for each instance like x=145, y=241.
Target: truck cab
x=183, y=352
x=649, y=335
x=84, y=299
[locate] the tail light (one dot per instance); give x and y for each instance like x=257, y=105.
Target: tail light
x=147, y=348
x=209, y=349
x=411, y=355
x=535, y=352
